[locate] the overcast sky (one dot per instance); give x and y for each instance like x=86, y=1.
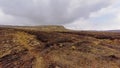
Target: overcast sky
x=73, y=14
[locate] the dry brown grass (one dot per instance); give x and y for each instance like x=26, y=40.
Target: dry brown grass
x=56, y=49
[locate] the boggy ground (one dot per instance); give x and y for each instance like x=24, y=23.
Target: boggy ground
x=57, y=49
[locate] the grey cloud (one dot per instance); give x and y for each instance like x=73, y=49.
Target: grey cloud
x=51, y=11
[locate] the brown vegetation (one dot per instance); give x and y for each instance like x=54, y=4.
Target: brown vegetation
x=56, y=49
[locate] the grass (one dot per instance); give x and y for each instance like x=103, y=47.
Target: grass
x=69, y=49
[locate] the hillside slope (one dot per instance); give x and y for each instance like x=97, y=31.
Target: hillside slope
x=39, y=28
x=56, y=49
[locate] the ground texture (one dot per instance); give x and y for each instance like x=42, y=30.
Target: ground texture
x=57, y=49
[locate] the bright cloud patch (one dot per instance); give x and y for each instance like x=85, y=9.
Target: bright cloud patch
x=107, y=18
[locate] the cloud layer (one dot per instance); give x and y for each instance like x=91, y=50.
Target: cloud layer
x=71, y=13
x=107, y=18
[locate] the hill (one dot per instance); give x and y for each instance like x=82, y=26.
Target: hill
x=21, y=48
x=38, y=28
x=114, y=30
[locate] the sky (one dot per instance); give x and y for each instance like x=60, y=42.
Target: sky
x=73, y=14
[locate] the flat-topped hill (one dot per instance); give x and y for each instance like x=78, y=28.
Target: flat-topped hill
x=40, y=28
